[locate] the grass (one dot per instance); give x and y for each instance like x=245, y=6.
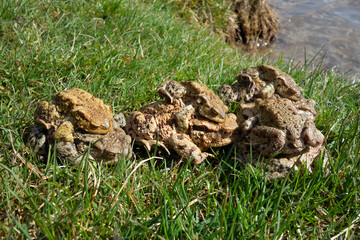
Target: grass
x=121, y=51
x=218, y=15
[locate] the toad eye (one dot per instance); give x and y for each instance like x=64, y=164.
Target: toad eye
x=214, y=112
x=227, y=132
x=93, y=127
x=203, y=99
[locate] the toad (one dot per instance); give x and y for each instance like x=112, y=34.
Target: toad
x=276, y=125
x=207, y=134
x=284, y=85
x=205, y=102
x=260, y=82
x=109, y=147
x=75, y=118
x=279, y=167
x=155, y=124
x=76, y=107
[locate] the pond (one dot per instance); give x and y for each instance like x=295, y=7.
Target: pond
x=327, y=29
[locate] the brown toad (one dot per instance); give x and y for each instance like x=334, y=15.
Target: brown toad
x=276, y=125
x=260, y=82
x=155, y=124
x=279, y=125
x=284, y=85
x=205, y=102
x=74, y=117
x=109, y=147
x=279, y=167
x=77, y=107
x=69, y=110
x=248, y=86
x=207, y=134
x=172, y=92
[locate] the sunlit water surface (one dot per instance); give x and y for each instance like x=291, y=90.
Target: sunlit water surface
x=328, y=29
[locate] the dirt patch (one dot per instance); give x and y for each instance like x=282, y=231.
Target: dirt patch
x=256, y=25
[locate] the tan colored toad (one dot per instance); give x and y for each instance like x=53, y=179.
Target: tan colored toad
x=155, y=123
x=109, y=147
x=280, y=166
x=282, y=133
x=277, y=126
x=284, y=85
x=207, y=134
x=74, y=120
x=260, y=82
x=77, y=107
x=205, y=102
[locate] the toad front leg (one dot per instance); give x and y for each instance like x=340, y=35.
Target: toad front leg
x=268, y=140
x=143, y=129
x=183, y=118
x=311, y=135
x=172, y=91
x=183, y=145
x=143, y=125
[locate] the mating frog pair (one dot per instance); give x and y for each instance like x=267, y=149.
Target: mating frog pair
x=74, y=120
x=191, y=119
x=274, y=118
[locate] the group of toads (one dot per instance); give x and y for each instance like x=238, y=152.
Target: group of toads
x=273, y=121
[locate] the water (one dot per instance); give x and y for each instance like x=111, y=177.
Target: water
x=329, y=29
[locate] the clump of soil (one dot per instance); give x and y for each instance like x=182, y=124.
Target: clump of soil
x=246, y=23
x=256, y=23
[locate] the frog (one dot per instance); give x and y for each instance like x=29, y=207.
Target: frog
x=205, y=133
x=250, y=85
x=73, y=109
x=155, y=124
x=306, y=108
x=246, y=112
x=284, y=85
x=263, y=82
x=247, y=86
x=172, y=92
x=279, y=166
x=186, y=148
x=36, y=138
x=274, y=125
x=152, y=124
x=69, y=112
x=183, y=118
x=229, y=93
x=205, y=102
x=86, y=112
x=109, y=147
